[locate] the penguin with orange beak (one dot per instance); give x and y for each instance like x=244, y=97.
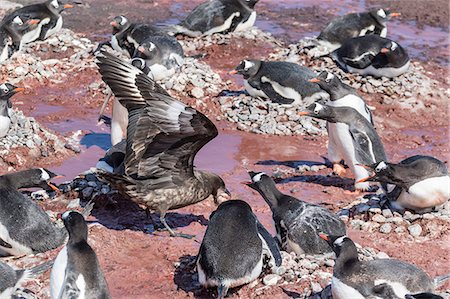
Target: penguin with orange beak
x=372, y=55
x=21, y=30
x=6, y=92
x=421, y=182
x=360, y=143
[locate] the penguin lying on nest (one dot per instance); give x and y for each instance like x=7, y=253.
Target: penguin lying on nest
x=235, y=249
x=356, y=279
x=297, y=222
x=218, y=16
x=372, y=55
x=421, y=182
x=360, y=142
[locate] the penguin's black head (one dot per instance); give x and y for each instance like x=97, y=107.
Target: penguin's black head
x=383, y=15
x=8, y=90
x=249, y=3
x=57, y=6
x=390, y=47
x=423, y=296
x=119, y=24
x=147, y=50
x=41, y=177
x=76, y=226
x=381, y=172
x=264, y=185
x=327, y=81
x=318, y=110
x=336, y=242
x=247, y=68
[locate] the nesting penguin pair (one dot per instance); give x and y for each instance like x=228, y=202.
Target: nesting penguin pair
x=11, y=279
x=380, y=278
x=6, y=92
x=25, y=228
x=76, y=272
x=236, y=248
x=281, y=82
x=372, y=55
x=353, y=25
x=297, y=222
x=218, y=16
x=421, y=182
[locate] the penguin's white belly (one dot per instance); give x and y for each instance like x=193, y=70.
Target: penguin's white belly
x=160, y=72
x=388, y=72
x=17, y=248
x=340, y=290
x=5, y=123
x=225, y=26
x=119, y=122
x=383, y=32
x=33, y=35
x=248, y=23
x=57, y=276
x=354, y=102
x=256, y=93
x=284, y=91
x=81, y=284
x=7, y=293
x=426, y=194
x=58, y=26
x=4, y=53
x=329, y=46
x=339, y=134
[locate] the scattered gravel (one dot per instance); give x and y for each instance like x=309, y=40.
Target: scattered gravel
x=369, y=214
x=27, y=139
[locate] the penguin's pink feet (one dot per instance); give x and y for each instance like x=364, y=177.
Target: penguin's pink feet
x=338, y=169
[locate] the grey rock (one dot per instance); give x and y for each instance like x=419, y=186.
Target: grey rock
x=415, y=230
x=386, y=228
x=271, y=279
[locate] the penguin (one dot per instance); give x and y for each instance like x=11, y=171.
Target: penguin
x=354, y=25
x=386, y=291
x=11, y=279
x=126, y=36
x=218, y=16
x=298, y=223
x=49, y=14
x=140, y=64
x=341, y=95
x=22, y=30
x=163, y=55
x=372, y=55
x=356, y=279
x=282, y=82
x=421, y=182
x=76, y=272
x=362, y=142
x=6, y=92
x=235, y=248
x=30, y=178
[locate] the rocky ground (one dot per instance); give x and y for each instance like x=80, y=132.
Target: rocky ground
x=411, y=113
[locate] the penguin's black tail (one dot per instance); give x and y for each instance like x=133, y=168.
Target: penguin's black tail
x=222, y=291
x=441, y=279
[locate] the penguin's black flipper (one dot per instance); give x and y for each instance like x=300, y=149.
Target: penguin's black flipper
x=364, y=150
x=360, y=62
x=273, y=95
x=423, y=296
x=5, y=244
x=271, y=243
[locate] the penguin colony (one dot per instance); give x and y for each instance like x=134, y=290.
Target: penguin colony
x=156, y=137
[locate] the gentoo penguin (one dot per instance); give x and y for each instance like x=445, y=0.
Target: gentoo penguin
x=22, y=30
x=357, y=279
x=76, y=272
x=30, y=178
x=162, y=54
x=282, y=82
x=235, y=248
x=11, y=279
x=126, y=36
x=421, y=182
x=353, y=25
x=49, y=14
x=341, y=95
x=386, y=291
x=163, y=137
x=362, y=142
x=218, y=16
x=297, y=222
x=6, y=92
x=372, y=55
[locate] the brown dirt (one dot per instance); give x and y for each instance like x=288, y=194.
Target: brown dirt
x=138, y=264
